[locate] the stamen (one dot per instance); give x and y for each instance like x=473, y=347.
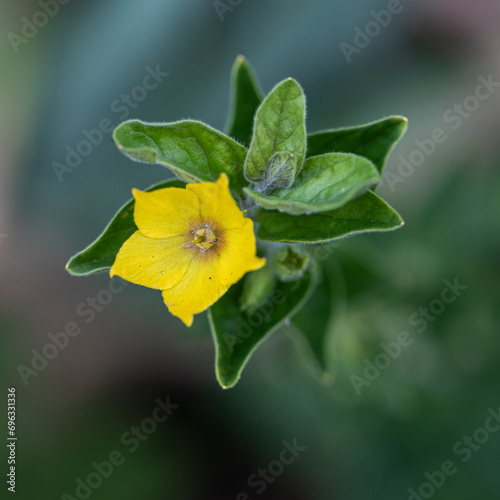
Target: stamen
x=202, y=238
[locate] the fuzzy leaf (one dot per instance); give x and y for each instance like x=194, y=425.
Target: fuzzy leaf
x=279, y=126
x=325, y=183
x=238, y=333
x=367, y=213
x=194, y=151
x=245, y=97
x=373, y=140
x=100, y=255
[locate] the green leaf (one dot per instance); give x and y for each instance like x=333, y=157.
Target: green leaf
x=313, y=322
x=373, y=140
x=100, y=255
x=194, y=151
x=279, y=126
x=325, y=183
x=245, y=97
x=367, y=213
x=238, y=333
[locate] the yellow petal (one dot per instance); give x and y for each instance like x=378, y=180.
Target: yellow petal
x=198, y=290
x=165, y=252
x=238, y=255
x=216, y=203
x=155, y=263
x=210, y=274
x=165, y=212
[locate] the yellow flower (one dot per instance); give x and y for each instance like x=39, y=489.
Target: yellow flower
x=192, y=243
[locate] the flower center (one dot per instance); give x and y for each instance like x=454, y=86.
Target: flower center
x=204, y=238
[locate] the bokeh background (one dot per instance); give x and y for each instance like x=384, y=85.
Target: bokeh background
x=374, y=443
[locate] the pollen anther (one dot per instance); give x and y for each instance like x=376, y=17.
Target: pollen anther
x=202, y=239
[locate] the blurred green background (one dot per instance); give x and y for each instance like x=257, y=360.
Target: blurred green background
x=376, y=442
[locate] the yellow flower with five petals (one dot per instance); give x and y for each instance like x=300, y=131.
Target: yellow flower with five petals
x=192, y=244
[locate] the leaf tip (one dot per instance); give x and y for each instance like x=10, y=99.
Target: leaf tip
x=227, y=384
x=70, y=269
x=403, y=121
x=69, y=264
